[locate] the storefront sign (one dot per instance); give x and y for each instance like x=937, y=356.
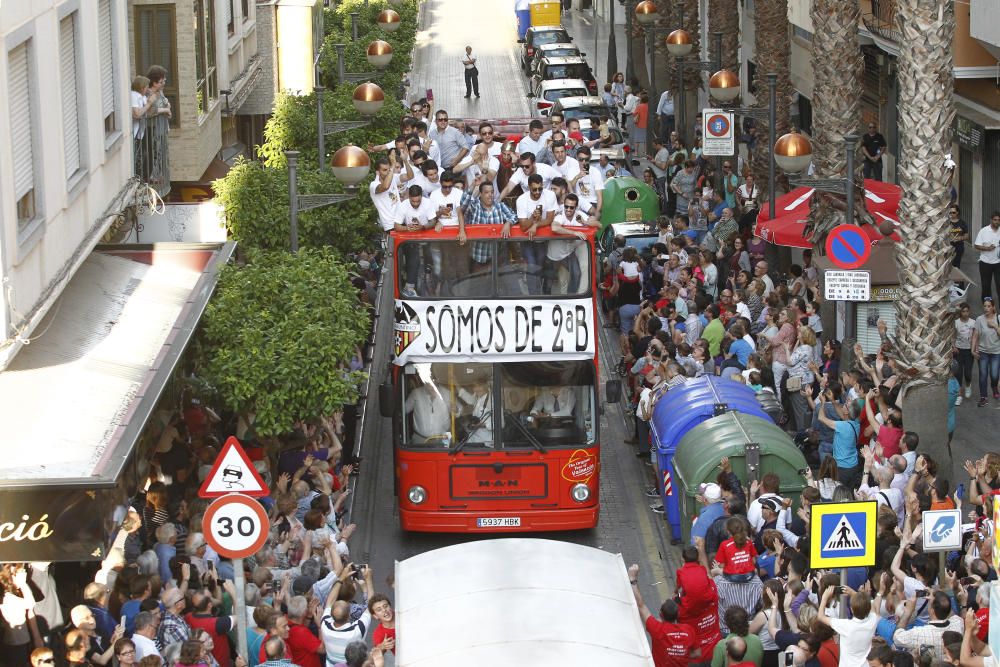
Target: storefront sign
x=886, y=293
x=847, y=285
x=40, y=524
x=968, y=134
x=475, y=331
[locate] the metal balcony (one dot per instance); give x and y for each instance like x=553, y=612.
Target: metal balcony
x=881, y=19
x=151, y=153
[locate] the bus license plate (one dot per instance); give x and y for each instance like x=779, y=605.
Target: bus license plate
x=499, y=522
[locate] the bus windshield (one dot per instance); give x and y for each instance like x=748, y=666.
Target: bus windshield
x=494, y=268
x=542, y=405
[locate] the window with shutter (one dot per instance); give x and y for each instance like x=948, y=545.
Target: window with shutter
x=230, y=21
x=70, y=93
x=868, y=315
x=105, y=40
x=19, y=86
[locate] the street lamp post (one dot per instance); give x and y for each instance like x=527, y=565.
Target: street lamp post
x=612, y=44
x=679, y=45
x=795, y=143
x=350, y=166
x=368, y=100
x=646, y=14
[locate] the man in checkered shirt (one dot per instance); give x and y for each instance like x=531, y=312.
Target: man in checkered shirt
x=481, y=210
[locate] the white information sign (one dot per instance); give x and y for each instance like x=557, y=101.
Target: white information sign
x=847, y=285
x=942, y=530
x=509, y=330
x=717, y=132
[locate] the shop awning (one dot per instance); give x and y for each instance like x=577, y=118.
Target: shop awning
x=73, y=401
x=788, y=228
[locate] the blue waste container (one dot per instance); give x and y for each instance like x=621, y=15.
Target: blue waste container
x=522, y=11
x=681, y=409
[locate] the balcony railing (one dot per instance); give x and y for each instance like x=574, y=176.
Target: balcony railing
x=152, y=154
x=881, y=20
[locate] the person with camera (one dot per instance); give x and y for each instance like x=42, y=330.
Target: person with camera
x=337, y=628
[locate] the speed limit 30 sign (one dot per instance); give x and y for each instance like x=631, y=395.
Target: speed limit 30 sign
x=235, y=526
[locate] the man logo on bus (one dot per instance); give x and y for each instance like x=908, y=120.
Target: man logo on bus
x=406, y=326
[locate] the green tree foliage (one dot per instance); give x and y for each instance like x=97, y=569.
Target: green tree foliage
x=255, y=196
x=279, y=336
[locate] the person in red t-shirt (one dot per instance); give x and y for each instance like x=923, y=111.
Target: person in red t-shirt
x=384, y=635
x=305, y=647
x=674, y=644
x=698, y=601
x=737, y=555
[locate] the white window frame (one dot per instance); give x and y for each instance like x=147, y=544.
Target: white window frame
x=76, y=182
x=112, y=138
x=31, y=231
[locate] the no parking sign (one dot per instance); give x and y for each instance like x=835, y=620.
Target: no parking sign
x=718, y=137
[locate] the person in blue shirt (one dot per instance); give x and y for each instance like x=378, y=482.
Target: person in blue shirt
x=740, y=347
x=711, y=496
x=845, y=440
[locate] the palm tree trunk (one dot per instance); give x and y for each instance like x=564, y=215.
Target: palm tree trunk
x=924, y=322
x=836, y=102
x=724, y=17
x=771, y=53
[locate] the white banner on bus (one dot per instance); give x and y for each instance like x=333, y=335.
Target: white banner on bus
x=512, y=330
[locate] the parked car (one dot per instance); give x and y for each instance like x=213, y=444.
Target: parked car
x=565, y=67
x=538, y=35
x=546, y=93
x=638, y=235
x=554, y=50
x=580, y=107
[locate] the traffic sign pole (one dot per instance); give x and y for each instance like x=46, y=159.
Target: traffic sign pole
x=240, y=584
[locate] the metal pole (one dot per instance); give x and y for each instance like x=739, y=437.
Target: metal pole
x=629, y=65
x=320, y=134
x=680, y=11
x=850, y=307
x=845, y=599
x=340, y=62
x=772, y=130
x=612, y=44
x=240, y=608
x=718, y=158
x=354, y=25
x=679, y=111
x=654, y=99
x=293, y=198
x=718, y=49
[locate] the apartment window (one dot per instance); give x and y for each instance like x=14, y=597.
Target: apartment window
x=801, y=33
x=230, y=19
x=204, y=61
x=70, y=93
x=156, y=44
x=19, y=77
x=246, y=9
x=106, y=46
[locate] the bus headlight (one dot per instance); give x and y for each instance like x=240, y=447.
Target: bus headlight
x=580, y=493
x=417, y=494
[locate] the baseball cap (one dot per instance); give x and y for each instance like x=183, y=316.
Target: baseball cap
x=770, y=504
x=711, y=491
x=303, y=584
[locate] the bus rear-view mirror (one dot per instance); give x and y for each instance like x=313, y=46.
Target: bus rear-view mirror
x=613, y=391
x=385, y=406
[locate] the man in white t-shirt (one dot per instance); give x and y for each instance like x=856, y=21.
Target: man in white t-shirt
x=413, y=215
x=533, y=142
x=570, y=257
x=567, y=167
x=527, y=166
x=486, y=138
x=427, y=177
x=427, y=144
x=589, y=183
x=988, y=245
x=479, y=162
x=535, y=209
x=556, y=123
x=384, y=190
x=855, y=633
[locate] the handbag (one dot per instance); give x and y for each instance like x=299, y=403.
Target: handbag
x=793, y=384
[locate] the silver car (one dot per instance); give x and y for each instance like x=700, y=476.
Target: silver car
x=553, y=51
x=546, y=93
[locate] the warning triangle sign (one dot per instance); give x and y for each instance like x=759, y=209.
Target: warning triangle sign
x=843, y=537
x=232, y=473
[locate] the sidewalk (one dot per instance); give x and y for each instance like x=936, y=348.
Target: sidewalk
x=591, y=34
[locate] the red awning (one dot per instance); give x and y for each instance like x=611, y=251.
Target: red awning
x=881, y=200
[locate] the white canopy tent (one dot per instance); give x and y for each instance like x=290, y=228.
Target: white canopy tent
x=517, y=602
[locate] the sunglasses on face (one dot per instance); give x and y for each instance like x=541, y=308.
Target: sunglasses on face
x=442, y=120
x=534, y=190
x=486, y=134
x=525, y=166
x=570, y=208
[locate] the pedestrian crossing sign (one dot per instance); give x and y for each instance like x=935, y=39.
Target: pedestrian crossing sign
x=842, y=534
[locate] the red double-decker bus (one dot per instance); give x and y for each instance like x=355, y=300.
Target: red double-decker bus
x=493, y=390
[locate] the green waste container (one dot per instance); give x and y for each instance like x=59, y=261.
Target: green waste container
x=749, y=442
x=628, y=199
